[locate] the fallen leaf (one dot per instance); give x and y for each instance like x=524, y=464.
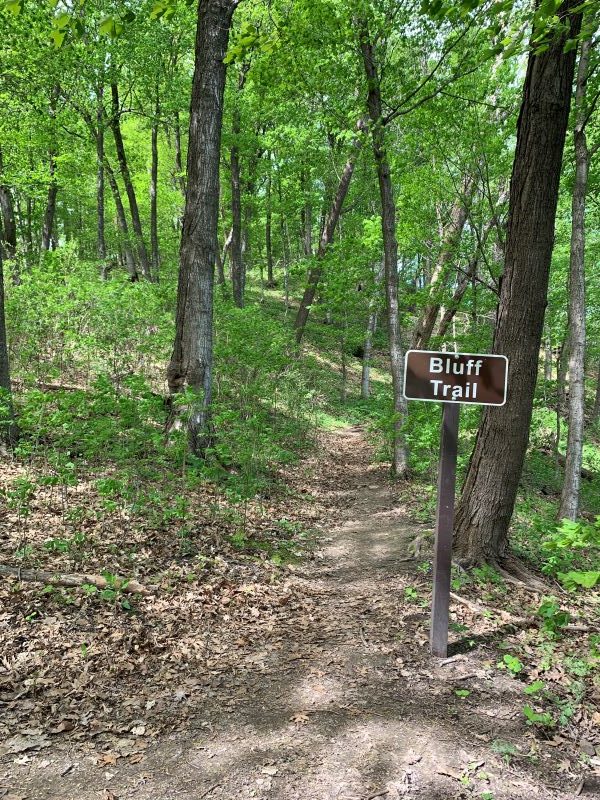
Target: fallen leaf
x=20, y=744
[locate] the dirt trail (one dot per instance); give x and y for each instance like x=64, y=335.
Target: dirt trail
x=348, y=705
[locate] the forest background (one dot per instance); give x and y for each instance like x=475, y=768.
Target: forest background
x=361, y=177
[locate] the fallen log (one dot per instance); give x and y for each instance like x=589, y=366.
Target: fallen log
x=70, y=580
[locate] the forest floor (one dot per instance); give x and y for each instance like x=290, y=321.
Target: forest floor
x=309, y=681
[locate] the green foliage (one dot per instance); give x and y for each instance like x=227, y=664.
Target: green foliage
x=512, y=664
x=538, y=719
x=554, y=619
x=572, y=580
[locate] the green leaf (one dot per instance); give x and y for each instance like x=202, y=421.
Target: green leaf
x=106, y=27
x=462, y=692
x=58, y=38
x=14, y=6
x=571, y=580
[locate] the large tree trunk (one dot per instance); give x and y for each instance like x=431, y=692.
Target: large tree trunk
x=450, y=240
x=154, y=191
x=315, y=273
x=101, y=226
x=121, y=222
x=569, y=501
x=390, y=250
x=492, y=480
x=8, y=227
x=192, y=359
x=115, y=125
x=9, y=432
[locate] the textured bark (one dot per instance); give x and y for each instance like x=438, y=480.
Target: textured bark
x=191, y=363
x=454, y=304
x=315, y=273
x=8, y=227
x=490, y=488
x=9, y=432
x=569, y=501
x=130, y=191
x=154, y=192
x=121, y=223
x=390, y=250
x=450, y=240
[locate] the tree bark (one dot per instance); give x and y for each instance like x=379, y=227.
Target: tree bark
x=180, y=177
x=191, y=363
x=122, y=223
x=136, y=223
x=8, y=228
x=235, y=250
x=390, y=249
x=9, y=432
x=490, y=489
x=306, y=217
x=101, y=224
x=50, y=212
x=450, y=240
x=596, y=411
x=569, y=501
x=269, y=236
x=315, y=273
x=371, y=328
x=154, y=191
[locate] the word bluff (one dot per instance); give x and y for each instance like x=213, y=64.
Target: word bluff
x=448, y=366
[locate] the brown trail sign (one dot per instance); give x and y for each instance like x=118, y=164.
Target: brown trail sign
x=450, y=378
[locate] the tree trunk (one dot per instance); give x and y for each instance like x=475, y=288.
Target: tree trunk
x=269, y=237
x=101, y=226
x=315, y=273
x=450, y=239
x=235, y=251
x=192, y=359
x=490, y=489
x=154, y=192
x=121, y=223
x=124, y=167
x=50, y=212
x=9, y=432
x=180, y=176
x=306, y=217
x=371, y=328
x=8, y=228
x=596, y=411
x=454, y=304
x=390, y=250
x=569, y=501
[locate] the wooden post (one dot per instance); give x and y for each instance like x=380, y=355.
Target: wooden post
x=443, y=531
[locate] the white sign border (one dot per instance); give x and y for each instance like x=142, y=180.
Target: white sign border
x=457, y=402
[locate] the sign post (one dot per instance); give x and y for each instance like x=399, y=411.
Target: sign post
x=452, y=379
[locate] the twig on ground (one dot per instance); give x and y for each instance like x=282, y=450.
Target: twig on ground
x=58, y=579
